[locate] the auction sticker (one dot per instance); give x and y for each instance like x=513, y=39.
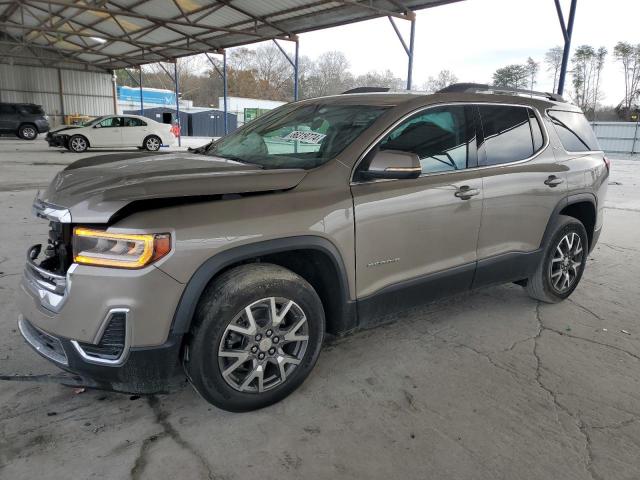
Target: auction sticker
x=305, y=137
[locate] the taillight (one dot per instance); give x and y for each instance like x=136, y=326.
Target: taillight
x=607, y=162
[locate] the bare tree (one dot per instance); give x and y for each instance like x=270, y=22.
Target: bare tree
x=588, y=64
x=629, y=56
x=442, y=80
x=553, y=60
x=532, y=70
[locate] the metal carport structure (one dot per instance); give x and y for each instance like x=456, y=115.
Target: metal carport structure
x=108, y=35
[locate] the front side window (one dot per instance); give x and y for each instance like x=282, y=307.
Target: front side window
x=443, y=138
x=6, y=109
x=574, y=131
x=297, y=136
x=110, y=122
x=507, y=134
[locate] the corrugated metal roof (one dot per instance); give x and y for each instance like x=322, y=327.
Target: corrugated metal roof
x=108, y=35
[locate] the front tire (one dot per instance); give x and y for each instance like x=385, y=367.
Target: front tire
x=257, y=336
x=28, y=132
x=78, y=144
x=152, y=143
x=563, y=263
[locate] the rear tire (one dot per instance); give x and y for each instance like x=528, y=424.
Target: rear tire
x=78, y=144
x=562, y=264
x=28, y=132
x=152, y=143
x=239, y=364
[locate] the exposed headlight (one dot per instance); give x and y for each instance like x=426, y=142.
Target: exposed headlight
x=121, y=250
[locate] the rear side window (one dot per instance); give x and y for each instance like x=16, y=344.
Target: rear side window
x=31, y=109
x=133, y=122
x=574, y=131
x=507, y=134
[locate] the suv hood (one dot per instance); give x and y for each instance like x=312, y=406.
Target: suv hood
x=93, y=189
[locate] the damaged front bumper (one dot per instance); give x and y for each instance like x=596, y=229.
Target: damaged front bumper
x=94, y=322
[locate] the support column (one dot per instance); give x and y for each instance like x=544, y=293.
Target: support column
x=411, y=16
x=293, y=63
x=175, y=78
x=224, y=90
x=295, y=71
x=567, y=32
x=140, y=85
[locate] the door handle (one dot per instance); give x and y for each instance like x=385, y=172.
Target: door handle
x=465, y=192
x=553, y=181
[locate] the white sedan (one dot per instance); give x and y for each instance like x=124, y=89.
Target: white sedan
x=113, y=131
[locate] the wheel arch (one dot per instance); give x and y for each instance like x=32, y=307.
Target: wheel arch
x=314, y=258
x=581, y=206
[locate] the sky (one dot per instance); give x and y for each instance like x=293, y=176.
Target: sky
x=475, y=37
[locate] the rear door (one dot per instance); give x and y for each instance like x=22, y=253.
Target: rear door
x=522, y=184
x=133, y=131
x=416, y=238
x=8, y=118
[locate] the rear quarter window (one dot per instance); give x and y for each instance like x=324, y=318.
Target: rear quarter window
x=574, y=131
x=31, y=110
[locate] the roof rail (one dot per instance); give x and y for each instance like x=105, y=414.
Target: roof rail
x=366, y=90
x=480, y=87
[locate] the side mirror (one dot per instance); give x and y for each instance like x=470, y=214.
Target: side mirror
x=393, y=164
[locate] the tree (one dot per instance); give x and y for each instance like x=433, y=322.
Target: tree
x=379, y=79
x=532, y=71
x=442, y=80
x=553, y=60
x=629, y=56
x=328, y=75
x=511, y=76
x=588, y=64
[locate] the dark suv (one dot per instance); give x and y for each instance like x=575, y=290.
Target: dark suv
x=26, y=120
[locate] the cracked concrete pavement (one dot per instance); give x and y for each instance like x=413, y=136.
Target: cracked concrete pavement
x=487, y=385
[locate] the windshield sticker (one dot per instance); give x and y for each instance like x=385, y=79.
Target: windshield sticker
x=305, y=137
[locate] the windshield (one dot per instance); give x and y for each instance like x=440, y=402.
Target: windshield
x=297, y=136
x=91, y=123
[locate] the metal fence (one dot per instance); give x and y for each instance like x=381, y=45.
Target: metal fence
x=618, y=137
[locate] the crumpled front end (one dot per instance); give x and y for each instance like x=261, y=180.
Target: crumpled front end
x=108, y=326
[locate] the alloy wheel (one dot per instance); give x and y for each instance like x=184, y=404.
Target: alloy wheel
x=78, y=144
x=153, y=144
x=263, y=345
x=566, y=262
x=29, y=133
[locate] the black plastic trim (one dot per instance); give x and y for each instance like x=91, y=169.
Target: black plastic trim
x=506, y=267
x=562, y=204
x=196, y=285
x=402, y=296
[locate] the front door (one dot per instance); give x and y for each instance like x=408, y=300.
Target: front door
x=108, y=133
x=416, y=238
x=522, y=184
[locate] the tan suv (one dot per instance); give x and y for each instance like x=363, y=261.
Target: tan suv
x=229, y=264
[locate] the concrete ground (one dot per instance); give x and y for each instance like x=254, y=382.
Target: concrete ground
x=489, y=385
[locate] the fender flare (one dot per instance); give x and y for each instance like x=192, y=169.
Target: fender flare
x=185, y=310
x=562, y=204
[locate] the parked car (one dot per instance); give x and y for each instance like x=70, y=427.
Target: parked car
x=113, y=131
x=25, y=120
x=230, y=264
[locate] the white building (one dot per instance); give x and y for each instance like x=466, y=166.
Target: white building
x=237, y=106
